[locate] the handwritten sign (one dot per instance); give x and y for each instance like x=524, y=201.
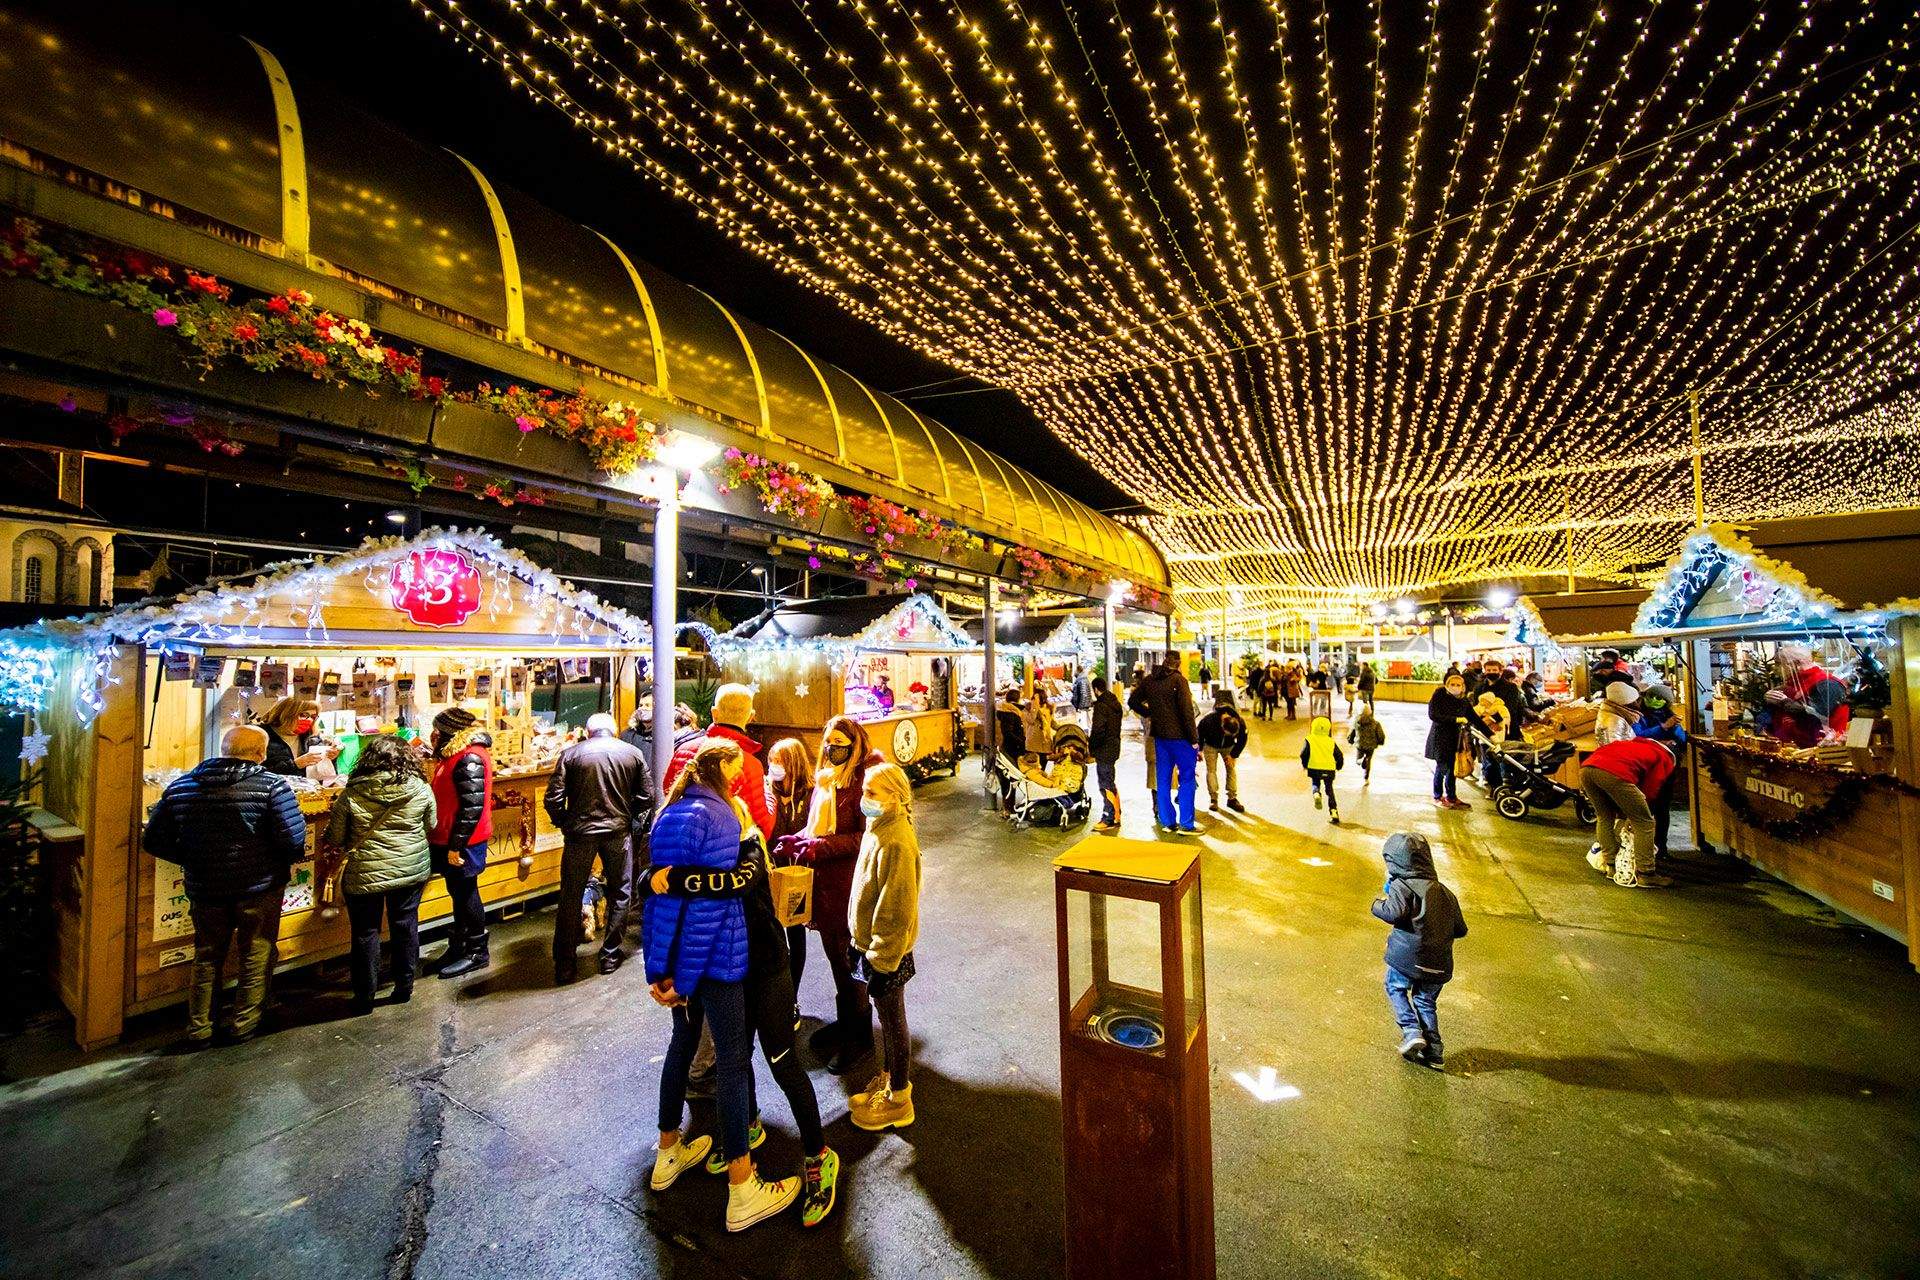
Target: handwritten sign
x=436, y=588
x=170, y=918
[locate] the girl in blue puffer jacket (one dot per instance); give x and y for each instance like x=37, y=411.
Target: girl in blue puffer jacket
x=696, y=950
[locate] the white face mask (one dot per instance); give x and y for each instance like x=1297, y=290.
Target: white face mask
x=776, y=774
x=872, y=808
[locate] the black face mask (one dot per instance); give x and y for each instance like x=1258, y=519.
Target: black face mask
x=839, y=755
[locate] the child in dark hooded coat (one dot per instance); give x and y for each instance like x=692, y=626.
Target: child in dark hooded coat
x=1426, y=919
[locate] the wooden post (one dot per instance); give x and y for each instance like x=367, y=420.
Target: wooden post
x=112, y=823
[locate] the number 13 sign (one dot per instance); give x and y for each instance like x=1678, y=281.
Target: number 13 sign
x=436, y=588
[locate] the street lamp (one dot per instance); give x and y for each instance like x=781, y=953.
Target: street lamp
x=1500, y=597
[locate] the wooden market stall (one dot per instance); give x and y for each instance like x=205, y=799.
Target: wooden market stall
x=1051, y=653
x=1805, y=635
x=1564, y=631
x=381, y=638
x=885, y=660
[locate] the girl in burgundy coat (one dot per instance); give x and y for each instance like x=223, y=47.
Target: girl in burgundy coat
x=829, y=844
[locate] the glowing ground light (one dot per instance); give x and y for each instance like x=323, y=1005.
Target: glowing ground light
x=1266, y=1087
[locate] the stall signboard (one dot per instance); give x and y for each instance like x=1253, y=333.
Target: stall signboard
x=170, y=918
x=436, y=587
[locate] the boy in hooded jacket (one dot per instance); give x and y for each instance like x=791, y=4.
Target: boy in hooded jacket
x=1320, y=755
x=1367, y=736
x=1426, y=919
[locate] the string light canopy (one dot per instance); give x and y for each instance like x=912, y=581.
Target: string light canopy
x=1357, y=299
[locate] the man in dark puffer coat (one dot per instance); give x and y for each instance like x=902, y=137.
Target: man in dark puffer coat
x=235, y=830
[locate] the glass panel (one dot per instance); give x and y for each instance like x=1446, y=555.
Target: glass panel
x=795, y=402
x=190, y=121
x=1113, y=971
x=705, y=361
x=406, y=215
x=1191, y=951
x=578, y=297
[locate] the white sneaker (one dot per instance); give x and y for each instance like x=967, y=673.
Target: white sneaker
x=756, y=1200
x=1598, y=861
x=669, y=1164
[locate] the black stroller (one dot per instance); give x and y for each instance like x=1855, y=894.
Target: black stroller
x=1526, y=777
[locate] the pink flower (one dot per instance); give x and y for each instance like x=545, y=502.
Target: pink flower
x=165, y=318
x=913, y=584
x=813, y=562
x=525, y=423
x=67, y=404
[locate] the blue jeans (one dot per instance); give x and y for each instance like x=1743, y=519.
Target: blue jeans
x=1106, y=775
x=1416, y=1007
x=1171, y=754
x=724, y=1006
x=1443, y=778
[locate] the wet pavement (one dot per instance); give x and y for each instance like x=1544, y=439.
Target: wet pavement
x=1717, y=1079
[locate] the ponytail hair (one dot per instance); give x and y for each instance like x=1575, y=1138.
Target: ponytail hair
x=708, y=768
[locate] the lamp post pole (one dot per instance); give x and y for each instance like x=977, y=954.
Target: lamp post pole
x=666, y=605
x=989, y=684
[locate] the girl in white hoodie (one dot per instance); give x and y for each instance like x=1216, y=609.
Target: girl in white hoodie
x=883, y=916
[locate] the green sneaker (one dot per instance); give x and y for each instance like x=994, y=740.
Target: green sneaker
x=818, y=1178
x=717, y=1162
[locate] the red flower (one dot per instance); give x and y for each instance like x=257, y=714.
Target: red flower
x=245, y=331
x=436, y=386
x=279, y=306
x=207, y=285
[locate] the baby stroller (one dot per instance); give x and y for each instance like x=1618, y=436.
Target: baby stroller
x=1031, y=802
x=1526, y=778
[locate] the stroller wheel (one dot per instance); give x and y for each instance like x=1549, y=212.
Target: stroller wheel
x=1583, y=811
x=1510, y=804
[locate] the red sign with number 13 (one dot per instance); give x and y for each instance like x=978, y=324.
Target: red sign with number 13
x=436, y=588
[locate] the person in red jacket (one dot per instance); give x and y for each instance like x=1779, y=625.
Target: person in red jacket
x=462, y=779
x=1620, y=780
x=830, y=843
x=732, y=712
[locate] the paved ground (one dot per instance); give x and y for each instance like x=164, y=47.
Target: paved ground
x=1714, y=1080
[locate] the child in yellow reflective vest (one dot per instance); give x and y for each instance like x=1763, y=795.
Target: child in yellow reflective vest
x=1320, y=756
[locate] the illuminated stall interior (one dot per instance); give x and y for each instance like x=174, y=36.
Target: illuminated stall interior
x=887, y=661
x=381, y=639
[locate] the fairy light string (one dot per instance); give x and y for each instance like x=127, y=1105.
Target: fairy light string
x=1356, y=299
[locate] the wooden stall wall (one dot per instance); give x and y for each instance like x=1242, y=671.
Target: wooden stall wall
x=162, y=953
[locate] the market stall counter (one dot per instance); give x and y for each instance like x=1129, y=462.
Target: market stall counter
x=1804, y=636
x=375, y=641
x=887, y=661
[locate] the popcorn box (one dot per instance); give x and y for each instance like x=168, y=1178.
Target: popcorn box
x=792, y=894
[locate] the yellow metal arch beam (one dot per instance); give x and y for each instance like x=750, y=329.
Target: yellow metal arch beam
x=509, y=259
x=296, y=225
x=753, y=361
x=653, y=321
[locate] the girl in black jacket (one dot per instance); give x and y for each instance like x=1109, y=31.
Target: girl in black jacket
x=1447, y=713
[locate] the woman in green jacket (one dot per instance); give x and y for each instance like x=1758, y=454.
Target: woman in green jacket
x=381, y=823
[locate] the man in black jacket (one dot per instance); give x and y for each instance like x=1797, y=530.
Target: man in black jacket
x=1426, y=919
x=600, y=796
x=235, y=830
x=1104, y=742
x=1166, y=700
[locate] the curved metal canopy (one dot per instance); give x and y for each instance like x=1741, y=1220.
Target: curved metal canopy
x=220, y=130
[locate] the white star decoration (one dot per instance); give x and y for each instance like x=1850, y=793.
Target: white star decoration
x=800, y=690
x=33, y=747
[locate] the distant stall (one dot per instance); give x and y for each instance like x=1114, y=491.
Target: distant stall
x=1805, y=635
x=1565, y=632
x=381, y=639
x=887, y=661
x=1051, y=653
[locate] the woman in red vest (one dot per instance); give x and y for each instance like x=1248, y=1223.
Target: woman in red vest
x=463, y=823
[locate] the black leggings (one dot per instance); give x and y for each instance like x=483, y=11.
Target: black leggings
x=796, y=954
x=770, y=1017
